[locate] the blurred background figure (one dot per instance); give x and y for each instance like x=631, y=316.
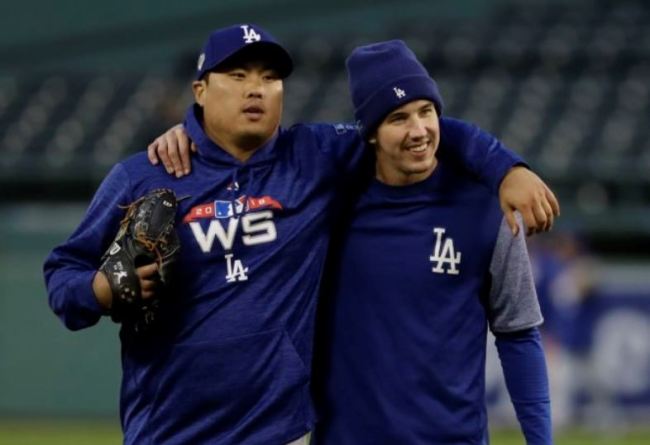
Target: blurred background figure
x=563, y=83
x=564, y=280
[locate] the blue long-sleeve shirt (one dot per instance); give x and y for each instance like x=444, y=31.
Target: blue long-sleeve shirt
x=420, y=273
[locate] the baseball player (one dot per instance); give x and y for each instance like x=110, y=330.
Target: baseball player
x=230, y=361
x=417, y=282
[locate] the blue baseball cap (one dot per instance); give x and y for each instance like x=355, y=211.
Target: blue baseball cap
x=242, y=41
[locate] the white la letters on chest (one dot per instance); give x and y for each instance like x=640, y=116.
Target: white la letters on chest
x=236, y=269
x=444, y=253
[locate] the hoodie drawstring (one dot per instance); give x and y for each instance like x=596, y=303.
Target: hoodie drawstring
x=234, y=188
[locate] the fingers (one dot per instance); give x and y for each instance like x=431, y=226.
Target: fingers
x=512, y=221
x=184, y=152
x=161, y=151
x=148, y=288
x=550, y=215
x=550, y=197
x=540, y=216
x=535, y=219
x=545, y=209
x=528, y=216
x=524, y=191
x=148, y=280
x=157, y=151
x=151, y=152
x=147, y=271
x=173, y=154
x=185, y=146
x=173, y=150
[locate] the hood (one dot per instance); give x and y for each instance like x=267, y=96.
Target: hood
x=215, y=154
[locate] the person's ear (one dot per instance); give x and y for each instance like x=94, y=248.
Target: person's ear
x=198, y=88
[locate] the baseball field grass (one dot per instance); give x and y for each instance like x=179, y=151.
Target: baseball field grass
x=101, y=433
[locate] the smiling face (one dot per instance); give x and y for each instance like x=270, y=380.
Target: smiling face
x=406, y=142
x=242, y=105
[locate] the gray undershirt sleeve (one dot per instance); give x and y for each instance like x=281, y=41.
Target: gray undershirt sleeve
x=512, y=303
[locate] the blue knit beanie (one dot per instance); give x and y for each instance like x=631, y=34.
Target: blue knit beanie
x=384, y=76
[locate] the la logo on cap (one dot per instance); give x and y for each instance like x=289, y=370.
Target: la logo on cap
x=250, y=35
x=399, y=92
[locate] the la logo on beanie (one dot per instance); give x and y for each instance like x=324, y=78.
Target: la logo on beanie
x=382, y=75
x=399, y=92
